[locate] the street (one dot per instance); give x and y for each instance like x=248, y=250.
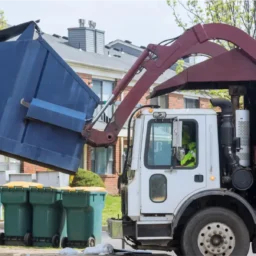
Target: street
x=118, y=244
x=105, y=240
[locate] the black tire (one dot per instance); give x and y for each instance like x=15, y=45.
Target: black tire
x=28, y=239
x=206, y=221
x=1, y=238
x=64, y=242
x=56, y=241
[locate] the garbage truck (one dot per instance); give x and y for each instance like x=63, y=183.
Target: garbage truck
x=188, y=181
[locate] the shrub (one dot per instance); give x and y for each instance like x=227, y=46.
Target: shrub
x=85, y=178
x=71, y=177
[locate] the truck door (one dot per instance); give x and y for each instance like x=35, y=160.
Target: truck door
x=164, y=188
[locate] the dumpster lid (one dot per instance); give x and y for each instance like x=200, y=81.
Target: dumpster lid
x=22, y=184
x=14, y=31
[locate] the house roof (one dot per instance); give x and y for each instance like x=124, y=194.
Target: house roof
x=69, y=53
x=123, y=64
x=110, y=44
x=130, y=46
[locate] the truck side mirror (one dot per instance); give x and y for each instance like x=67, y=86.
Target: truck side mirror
x=180, y=153
x=177, y=134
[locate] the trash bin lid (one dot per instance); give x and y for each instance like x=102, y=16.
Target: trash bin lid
x=88, y=189
x=22, y=184
x=63, y=188
x=59, y=188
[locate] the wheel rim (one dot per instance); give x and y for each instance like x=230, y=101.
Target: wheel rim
x=216, y=239
x=91, y=242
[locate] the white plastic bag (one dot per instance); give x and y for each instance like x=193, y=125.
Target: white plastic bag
x=100, y=249
x=68, y=251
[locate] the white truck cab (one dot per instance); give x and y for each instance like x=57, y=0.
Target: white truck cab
x=182, y=185
x=158, y=187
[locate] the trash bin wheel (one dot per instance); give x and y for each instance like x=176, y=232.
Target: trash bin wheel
x=2, y=239
x=91, y=242
x=28, y=239
x=56, y=241
x=64, y=242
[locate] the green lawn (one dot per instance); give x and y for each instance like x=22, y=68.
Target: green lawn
x=112, y=208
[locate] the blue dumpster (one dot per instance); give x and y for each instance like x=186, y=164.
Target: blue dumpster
x=44, y=104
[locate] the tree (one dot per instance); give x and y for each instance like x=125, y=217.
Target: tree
x=3, y=21
x=238, y=13
x=85, y=178
x=180, y=66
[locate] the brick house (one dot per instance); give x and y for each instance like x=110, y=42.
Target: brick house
x=101, y=66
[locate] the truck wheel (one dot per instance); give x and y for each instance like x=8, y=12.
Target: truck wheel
x=215, y=231
x=64, y=242
x=28, y=240
x=56, y=241
x=2, y=239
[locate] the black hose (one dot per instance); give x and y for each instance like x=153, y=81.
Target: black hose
x=124, y=174
x=169, y=40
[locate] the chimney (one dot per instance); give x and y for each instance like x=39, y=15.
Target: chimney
x=88, y=39
x=81, y=23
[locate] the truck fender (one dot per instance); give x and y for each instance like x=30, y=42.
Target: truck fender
x=214, y=192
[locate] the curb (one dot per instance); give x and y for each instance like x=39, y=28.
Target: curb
x=32, y=254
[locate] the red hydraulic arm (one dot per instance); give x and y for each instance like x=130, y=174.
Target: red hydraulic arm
x=158, y=58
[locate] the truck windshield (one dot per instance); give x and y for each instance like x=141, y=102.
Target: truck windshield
x=159, y=144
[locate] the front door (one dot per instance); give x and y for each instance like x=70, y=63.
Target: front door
x=163, y=188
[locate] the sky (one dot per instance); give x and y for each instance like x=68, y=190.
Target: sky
x=139, y=21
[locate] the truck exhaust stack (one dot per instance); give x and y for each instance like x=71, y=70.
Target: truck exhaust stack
x=243, y=132
x=241, y=178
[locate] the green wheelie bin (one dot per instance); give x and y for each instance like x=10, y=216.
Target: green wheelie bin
x=49, y=224
x=17, y=213
x=83, y=207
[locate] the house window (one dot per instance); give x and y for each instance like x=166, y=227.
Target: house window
x=102, y=160
x=161, y=101
x=191, y=103
x=103, y=89
x=82, y=161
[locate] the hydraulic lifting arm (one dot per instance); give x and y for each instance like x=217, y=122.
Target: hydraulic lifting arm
x=156, y=59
